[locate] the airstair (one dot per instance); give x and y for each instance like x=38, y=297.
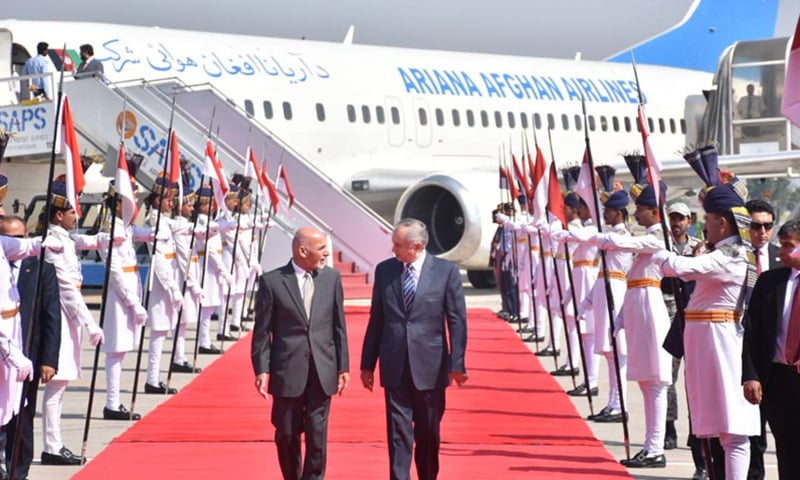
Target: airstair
x=139, y=113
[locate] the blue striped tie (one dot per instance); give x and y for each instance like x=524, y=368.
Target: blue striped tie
x=408, y=287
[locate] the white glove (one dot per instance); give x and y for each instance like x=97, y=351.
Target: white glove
x=96, y=336
x=585, y=235
x=501, y=219
x=118, y=241
x=261, y=225
x=255, y=270
x=560, y=236
x=227, y=280
x=19, y=361
x=53, y=244
x=139, y=315
x=661, y=256
x=196, y=291
x=177, y=299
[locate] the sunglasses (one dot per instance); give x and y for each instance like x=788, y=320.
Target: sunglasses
x=759, y=226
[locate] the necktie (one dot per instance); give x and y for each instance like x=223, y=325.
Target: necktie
x=308, y=292
x=793, y=330
x=757, y=253
x=749, y=106
x=409, y=289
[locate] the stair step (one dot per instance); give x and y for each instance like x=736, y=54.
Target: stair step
x=358, y=292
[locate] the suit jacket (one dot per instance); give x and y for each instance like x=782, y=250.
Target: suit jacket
x=285, y=339
x=761, y=322
x=774, y=260
x=89, y=68
x=418, y=337
x=46, y=339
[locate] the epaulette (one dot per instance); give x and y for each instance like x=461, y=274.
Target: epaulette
x=733, y=250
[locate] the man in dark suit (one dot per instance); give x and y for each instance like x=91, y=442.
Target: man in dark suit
x=89, y=66
x=45, y=344
x=770, y=378
x=762, y=225
x=417, y=300
x=299, y=351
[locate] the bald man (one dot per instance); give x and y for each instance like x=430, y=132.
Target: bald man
x=299, y=351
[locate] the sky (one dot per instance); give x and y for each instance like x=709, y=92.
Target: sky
x=558, y=28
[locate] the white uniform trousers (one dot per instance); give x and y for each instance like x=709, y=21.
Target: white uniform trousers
x=655, y=415
x=613, y=386
x=204, y=332
x=592, y=359
x=113, y=375
x=180, y=345
x=157, y=338
x=737, y=455
x=52, y=403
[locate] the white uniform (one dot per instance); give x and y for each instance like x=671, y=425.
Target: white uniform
x=11, y=341
x=74, y=314
x=165, y=294
x=713, y=349
x=214, y=283
x=646, y=321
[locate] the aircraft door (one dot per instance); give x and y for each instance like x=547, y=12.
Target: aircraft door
x=421, y=116
x=394, y=120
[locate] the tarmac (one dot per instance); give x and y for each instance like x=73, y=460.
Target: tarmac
x=102, y=432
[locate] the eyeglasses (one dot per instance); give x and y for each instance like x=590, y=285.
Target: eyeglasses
x=759, y=226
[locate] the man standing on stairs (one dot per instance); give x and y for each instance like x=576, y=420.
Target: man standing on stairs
x=417, y=306
x=299, y=352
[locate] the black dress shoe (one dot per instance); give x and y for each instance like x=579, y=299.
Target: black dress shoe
x=700, y=474
x=185, y=367
x=533, y=338
x=229, y=338
x=670, y=443
x=121, y=414
x=604, y=411
x=641, y=460
x=547, y=352
x=525, y=329
x=580, y=391
x=161, y=388
x=237, y=328
x=608, y=416
x=565, y=371
x=63, y=457
x=502, y=314
x=210, y=350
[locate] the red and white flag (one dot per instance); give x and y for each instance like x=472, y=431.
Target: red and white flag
x=175, y=167
x=790, y=103
x=72, y=158
x=212, y=168
x=585, y=190
x=287, y=186
x=540, y=183
x=251, y=169
x=122, y=182
x=521, y=177
x=653, y=165
x=271, y=191
x=555, y=200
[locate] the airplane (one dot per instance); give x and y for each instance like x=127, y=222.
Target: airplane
x=418, y=132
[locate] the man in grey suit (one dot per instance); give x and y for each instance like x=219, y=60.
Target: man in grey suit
x=89, y=67
x=299, y=351
x=417, y=302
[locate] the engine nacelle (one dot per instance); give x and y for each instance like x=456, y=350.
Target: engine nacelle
x=457, y=210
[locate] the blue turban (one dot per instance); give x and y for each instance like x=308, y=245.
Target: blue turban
x=572, y=200
x=58, y=198
x=617, y=200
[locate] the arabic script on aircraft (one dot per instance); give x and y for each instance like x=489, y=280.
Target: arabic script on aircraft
x=157, y=56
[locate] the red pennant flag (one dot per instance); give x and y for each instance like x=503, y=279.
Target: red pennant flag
x=503, y=185
x=72, y=158
x=122, y=182
x=286, y=184
x=175, y=166
x=555, y=200
x=790, y=103
x=584, y=187
x=523, y=179
x=653, y=165
x=540, y=182
x=251, y=169
x=212, y=168
x=271, y=191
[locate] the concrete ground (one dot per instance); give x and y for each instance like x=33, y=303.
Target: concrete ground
x=679, y=461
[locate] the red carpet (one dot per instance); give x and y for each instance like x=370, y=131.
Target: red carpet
x=511, y=421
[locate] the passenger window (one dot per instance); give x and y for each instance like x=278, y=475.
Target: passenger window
x=268, y=113
x=320, y=112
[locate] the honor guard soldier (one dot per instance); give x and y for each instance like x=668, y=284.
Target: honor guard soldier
x=713, y=334
x=74, y=315
x=188, y=276
x=166, y=298
x=227, y=216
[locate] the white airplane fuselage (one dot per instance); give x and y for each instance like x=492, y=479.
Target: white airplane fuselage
x=381, y=114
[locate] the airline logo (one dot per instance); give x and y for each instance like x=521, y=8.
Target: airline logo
x=429, y=81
